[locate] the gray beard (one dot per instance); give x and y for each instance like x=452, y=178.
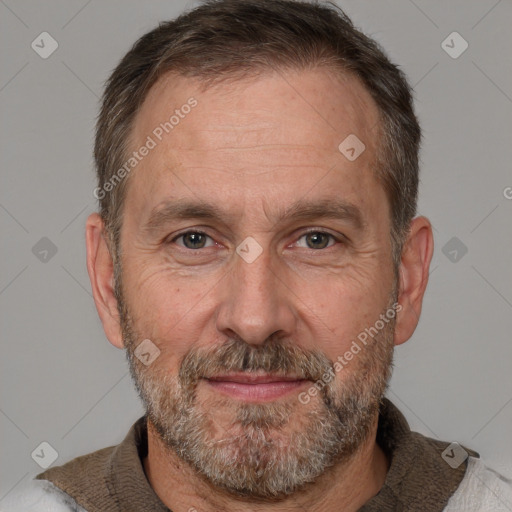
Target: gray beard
x=272, y=450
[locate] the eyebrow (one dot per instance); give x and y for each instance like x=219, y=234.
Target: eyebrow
x=173, y=210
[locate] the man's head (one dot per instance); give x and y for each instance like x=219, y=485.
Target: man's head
x=230, y=39
x=264, y=234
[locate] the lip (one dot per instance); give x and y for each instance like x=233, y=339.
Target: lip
x=255, y=387
x=253, y=378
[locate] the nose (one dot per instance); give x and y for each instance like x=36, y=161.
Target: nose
x=255, y=304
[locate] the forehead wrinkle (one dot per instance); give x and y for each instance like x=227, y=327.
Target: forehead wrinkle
x=301, y=209
x=255, y=160
x=252, y=170
x=262, y=147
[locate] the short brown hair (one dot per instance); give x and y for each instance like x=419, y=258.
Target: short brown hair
x=230, y=39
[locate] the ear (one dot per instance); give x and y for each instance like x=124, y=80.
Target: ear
x=413, y=278
x=101, y=273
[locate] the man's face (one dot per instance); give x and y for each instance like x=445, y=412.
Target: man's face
x=246, y=326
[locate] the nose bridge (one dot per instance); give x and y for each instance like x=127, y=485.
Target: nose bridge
x=253, y=305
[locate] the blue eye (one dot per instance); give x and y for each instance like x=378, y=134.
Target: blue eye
x=193, y=239
x=318, y=239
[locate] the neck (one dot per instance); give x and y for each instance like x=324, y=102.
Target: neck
x=347, y=486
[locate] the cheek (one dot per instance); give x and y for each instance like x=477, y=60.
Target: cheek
x=157, y=292
x=346, y=307
x=167, y=309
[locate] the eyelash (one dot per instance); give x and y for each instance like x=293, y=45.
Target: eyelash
x=339, y=239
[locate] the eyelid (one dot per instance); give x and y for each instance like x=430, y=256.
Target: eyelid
x=325, y=231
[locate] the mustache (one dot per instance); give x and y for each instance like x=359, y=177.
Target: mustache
x=274, y=357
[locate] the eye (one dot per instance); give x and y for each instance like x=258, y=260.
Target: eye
x=193, y=240
x=317, y=240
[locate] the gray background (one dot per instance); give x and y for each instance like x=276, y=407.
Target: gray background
x=62, y=382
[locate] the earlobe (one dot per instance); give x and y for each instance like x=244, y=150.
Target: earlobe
x=413, y=277
x=101, y=274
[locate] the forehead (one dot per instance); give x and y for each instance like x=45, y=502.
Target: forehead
x=280, y=130
x=315, y=101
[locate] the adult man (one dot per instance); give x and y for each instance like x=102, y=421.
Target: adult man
x=257, y=255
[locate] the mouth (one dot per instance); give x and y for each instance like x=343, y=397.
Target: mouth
x=254, y=387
